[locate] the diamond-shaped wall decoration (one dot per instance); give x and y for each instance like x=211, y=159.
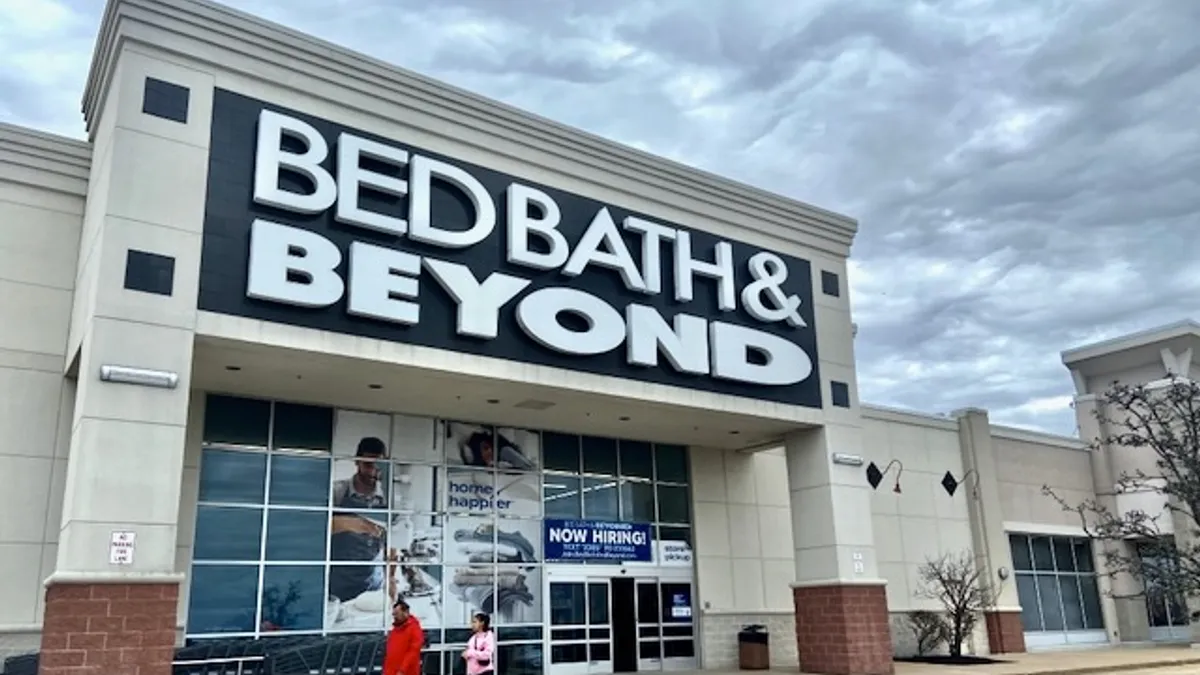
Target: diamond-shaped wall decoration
x=874, y=475
x=949, y=483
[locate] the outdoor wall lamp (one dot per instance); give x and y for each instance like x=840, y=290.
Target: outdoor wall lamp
x=950, y=484
x=161, y=379
x=875, y=476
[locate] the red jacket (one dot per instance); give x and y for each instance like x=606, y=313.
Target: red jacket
x=404, y=643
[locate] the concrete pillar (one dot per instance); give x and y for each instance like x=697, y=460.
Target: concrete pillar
x=1125, y=618
x=840, y=601
x=134, y=307
x=993, y=556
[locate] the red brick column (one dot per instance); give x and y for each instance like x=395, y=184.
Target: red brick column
x=1006, y=634
x=109, y=629
x=843, y=629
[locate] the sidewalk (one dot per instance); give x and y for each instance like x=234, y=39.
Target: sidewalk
x=1131, y=659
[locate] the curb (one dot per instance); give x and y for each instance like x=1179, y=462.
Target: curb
x=1113, y=668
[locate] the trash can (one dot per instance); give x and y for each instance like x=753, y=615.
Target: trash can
x=754, y=650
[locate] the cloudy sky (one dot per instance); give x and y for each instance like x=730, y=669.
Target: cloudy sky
x=1026, y=174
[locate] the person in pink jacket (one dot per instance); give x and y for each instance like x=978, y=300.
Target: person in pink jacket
x=480, y=653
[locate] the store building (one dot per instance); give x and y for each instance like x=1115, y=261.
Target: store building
x=295, y=333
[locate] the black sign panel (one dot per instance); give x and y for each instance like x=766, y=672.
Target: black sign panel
x=231, y=211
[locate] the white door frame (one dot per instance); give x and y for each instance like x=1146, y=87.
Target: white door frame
x=592, y=631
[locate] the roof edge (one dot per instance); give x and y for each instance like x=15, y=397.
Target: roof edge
x=1131, y=341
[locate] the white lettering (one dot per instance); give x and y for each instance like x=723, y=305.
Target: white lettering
x=785, y=362
x=685, y=344
x=478, y=303
x=352, y=177
x=293, y=266
x=544, y=226
x=270, y=158
x=538, y=315
x=653, y=235
x=603, y=231
x=421, y=228
x=382, y=283
x=770, y=272
x=721, y=269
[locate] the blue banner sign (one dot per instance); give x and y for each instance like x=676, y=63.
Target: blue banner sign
x=597, y=540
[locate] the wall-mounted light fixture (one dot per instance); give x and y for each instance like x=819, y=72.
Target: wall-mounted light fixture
x=875, y=476
x=951, y=484
x=162, y=379
x=1002, y=573
x=846, y=459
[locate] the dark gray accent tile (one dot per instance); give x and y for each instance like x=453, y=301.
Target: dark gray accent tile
x=830, y=285
x=166, y=100
x=149, y=272
x=839, y=394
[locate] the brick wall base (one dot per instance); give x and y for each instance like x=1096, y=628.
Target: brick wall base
x=109, y=629
x=843, y=630
x=718, y=638
x=1005, y=633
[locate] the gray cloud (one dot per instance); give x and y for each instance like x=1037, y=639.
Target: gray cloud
x=1025, y=174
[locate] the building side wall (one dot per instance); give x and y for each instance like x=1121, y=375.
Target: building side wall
x=40, y=222
x=1024, y=467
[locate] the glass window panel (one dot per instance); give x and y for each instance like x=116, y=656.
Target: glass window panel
x=637, y=459
x=470, y=491
x=518, y=595
x=567, y=634
x=431, y=661
x=299, y=481
x=519, y=542
x=568, y=604
x=679, y=631
x=561, y=497
x=293, y=598
x=599, y=456
x=1083, y=555
x=297, y=536
x=519, y=633
x=600, y=651
x=1156, y=609
x=422, y=586
x=671, y=463
x=1043, y=556
x=306, y=427
x=357, y=537
x=1051, y=602
x=647, y=602
x=233, y=477
x=470, y=444
x=222, y=598
x=679, y=649
x=414, y=439
x=519, y=659
x=236, y=421
x=600, y=501
x=470, y=540
x=1093, y=616
x=1031, y=617
x=417, y=537
x=637, y=502
x=1019, y=544
x=650, y=650
x=1177, y=608
x=518, y=449
x=228, y=533
x=673, y=506
x=360, y=483
x=415, y=488
x=1068, y=586
x=560, y=452
x=357, y=598
x=576, y=653
x=676, y=602
x=649, y=631
x=1064, y=558
x=458, y=636
x=453, y=663
x=599, y=633
x=519, y=495
x=597, y=604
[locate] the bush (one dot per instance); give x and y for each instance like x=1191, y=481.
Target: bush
x=931, y=629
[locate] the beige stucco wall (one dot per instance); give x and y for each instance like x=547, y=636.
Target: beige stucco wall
x=1025, y=462
x=43, y=181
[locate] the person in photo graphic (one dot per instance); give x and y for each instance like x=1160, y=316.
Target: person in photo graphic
x=363, y=490
x=479, y=447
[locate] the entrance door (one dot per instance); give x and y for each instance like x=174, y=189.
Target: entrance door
x=580, y=626
x=624, y=626
x=649, y=626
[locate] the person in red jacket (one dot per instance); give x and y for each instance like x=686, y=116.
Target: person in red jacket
x=404, y=643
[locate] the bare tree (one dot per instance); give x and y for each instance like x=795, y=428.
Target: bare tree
x=930, y=629
x=1165, y=421
x=963, y=592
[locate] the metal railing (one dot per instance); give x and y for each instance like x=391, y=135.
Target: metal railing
x=228, y=665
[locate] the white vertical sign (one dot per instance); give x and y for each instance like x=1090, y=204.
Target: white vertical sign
x=120, y=548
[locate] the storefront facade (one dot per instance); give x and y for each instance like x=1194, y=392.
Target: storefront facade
x=295, y=334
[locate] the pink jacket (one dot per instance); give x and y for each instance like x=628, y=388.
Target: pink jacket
x=481, y=653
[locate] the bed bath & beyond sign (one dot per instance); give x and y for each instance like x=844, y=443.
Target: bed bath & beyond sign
x=379, y=192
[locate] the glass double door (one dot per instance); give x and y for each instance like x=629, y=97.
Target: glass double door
x=619, y=625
